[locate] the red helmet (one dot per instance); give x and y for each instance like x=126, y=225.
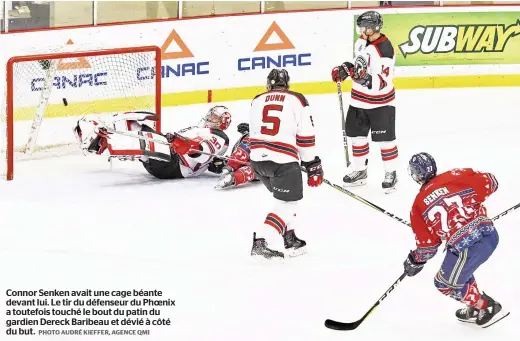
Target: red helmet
x=217, y=117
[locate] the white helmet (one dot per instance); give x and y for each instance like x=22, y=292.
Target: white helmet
x=217, y=117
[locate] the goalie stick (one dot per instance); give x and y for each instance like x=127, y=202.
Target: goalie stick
x=145, y=138
x=336, y=325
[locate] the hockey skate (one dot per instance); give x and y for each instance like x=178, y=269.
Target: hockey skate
x=227, y=179
x=260, y=249
x=355, y=178
x=491, y=314
x=390, y=181
x=467, y=314
x=294, y=246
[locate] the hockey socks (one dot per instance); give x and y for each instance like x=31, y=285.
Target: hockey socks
x=389, y=154
x=360, y=150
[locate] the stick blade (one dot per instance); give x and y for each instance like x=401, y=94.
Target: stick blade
x=331, y=324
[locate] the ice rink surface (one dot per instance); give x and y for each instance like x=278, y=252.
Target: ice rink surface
x=72, y=223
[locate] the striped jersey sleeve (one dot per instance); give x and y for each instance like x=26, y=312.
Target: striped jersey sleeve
x=305, y=136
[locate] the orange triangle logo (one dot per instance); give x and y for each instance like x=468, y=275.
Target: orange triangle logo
x=183, y=53
x=284, y=45
x=80, y=63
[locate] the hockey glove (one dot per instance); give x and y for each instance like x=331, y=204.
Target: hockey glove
x=411, y=266
x=314, y=172
x=182, y=145
x=216, y=165
x=342, y=72
x=243, y=128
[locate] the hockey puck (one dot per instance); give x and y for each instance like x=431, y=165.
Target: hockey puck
x=65, y=103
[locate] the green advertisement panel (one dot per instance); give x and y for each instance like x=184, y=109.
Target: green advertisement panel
x=454, y=38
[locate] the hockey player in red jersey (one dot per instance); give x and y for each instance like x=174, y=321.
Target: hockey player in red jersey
x=372, y=104
x=282, y=135
x=449, y=207
x=236, y=170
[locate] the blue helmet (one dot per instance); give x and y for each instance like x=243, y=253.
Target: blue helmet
x=422, y=168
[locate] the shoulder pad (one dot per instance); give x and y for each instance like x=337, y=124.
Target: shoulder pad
x=301, y=97
x=384, y=47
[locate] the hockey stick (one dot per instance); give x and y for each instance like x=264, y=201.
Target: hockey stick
x=366, y=202
x=345, y=143
x=331, y=324
x=336, y=325
x=511, y=209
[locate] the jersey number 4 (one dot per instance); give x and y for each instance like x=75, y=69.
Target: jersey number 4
x=385, y=70
x=272, y=120
x=443, y=209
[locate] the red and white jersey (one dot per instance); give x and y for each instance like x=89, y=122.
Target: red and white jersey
x=450, y=207
x=379, y=57
x=211, y=140
x=281, y=128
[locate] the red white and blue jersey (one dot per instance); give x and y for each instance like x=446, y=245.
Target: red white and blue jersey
x=450, y=207
x=379, y=58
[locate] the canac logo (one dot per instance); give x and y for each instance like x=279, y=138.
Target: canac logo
x=171, y=69
x=68, y=74
x=281, y=60
x=459, y=39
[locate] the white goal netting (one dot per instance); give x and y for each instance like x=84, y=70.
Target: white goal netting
x=46, y=94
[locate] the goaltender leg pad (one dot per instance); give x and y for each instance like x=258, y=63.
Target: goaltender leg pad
x=126, y=146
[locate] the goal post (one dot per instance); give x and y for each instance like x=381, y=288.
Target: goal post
x=47, y=93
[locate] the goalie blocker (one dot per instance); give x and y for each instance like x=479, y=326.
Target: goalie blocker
x=176, y=158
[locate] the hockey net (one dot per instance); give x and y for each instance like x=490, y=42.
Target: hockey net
x=46, y=94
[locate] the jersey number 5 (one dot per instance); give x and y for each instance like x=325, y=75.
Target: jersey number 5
x=273, y=120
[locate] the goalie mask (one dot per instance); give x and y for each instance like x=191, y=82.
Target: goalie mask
x=217, y=117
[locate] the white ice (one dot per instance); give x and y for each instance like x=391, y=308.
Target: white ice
x=72, y=223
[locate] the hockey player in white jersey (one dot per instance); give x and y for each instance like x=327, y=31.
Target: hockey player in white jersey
x=186, y=153
x=372, y=104
x=282, y=134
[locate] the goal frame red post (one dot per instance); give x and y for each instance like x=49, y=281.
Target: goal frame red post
x=10, y=93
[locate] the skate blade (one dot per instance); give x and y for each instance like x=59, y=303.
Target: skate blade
x=390, y=190
x=262, y=259
x=218, y=188
x=296, y=252
x=355, y=184
x=501, y=315
x=472, y=321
